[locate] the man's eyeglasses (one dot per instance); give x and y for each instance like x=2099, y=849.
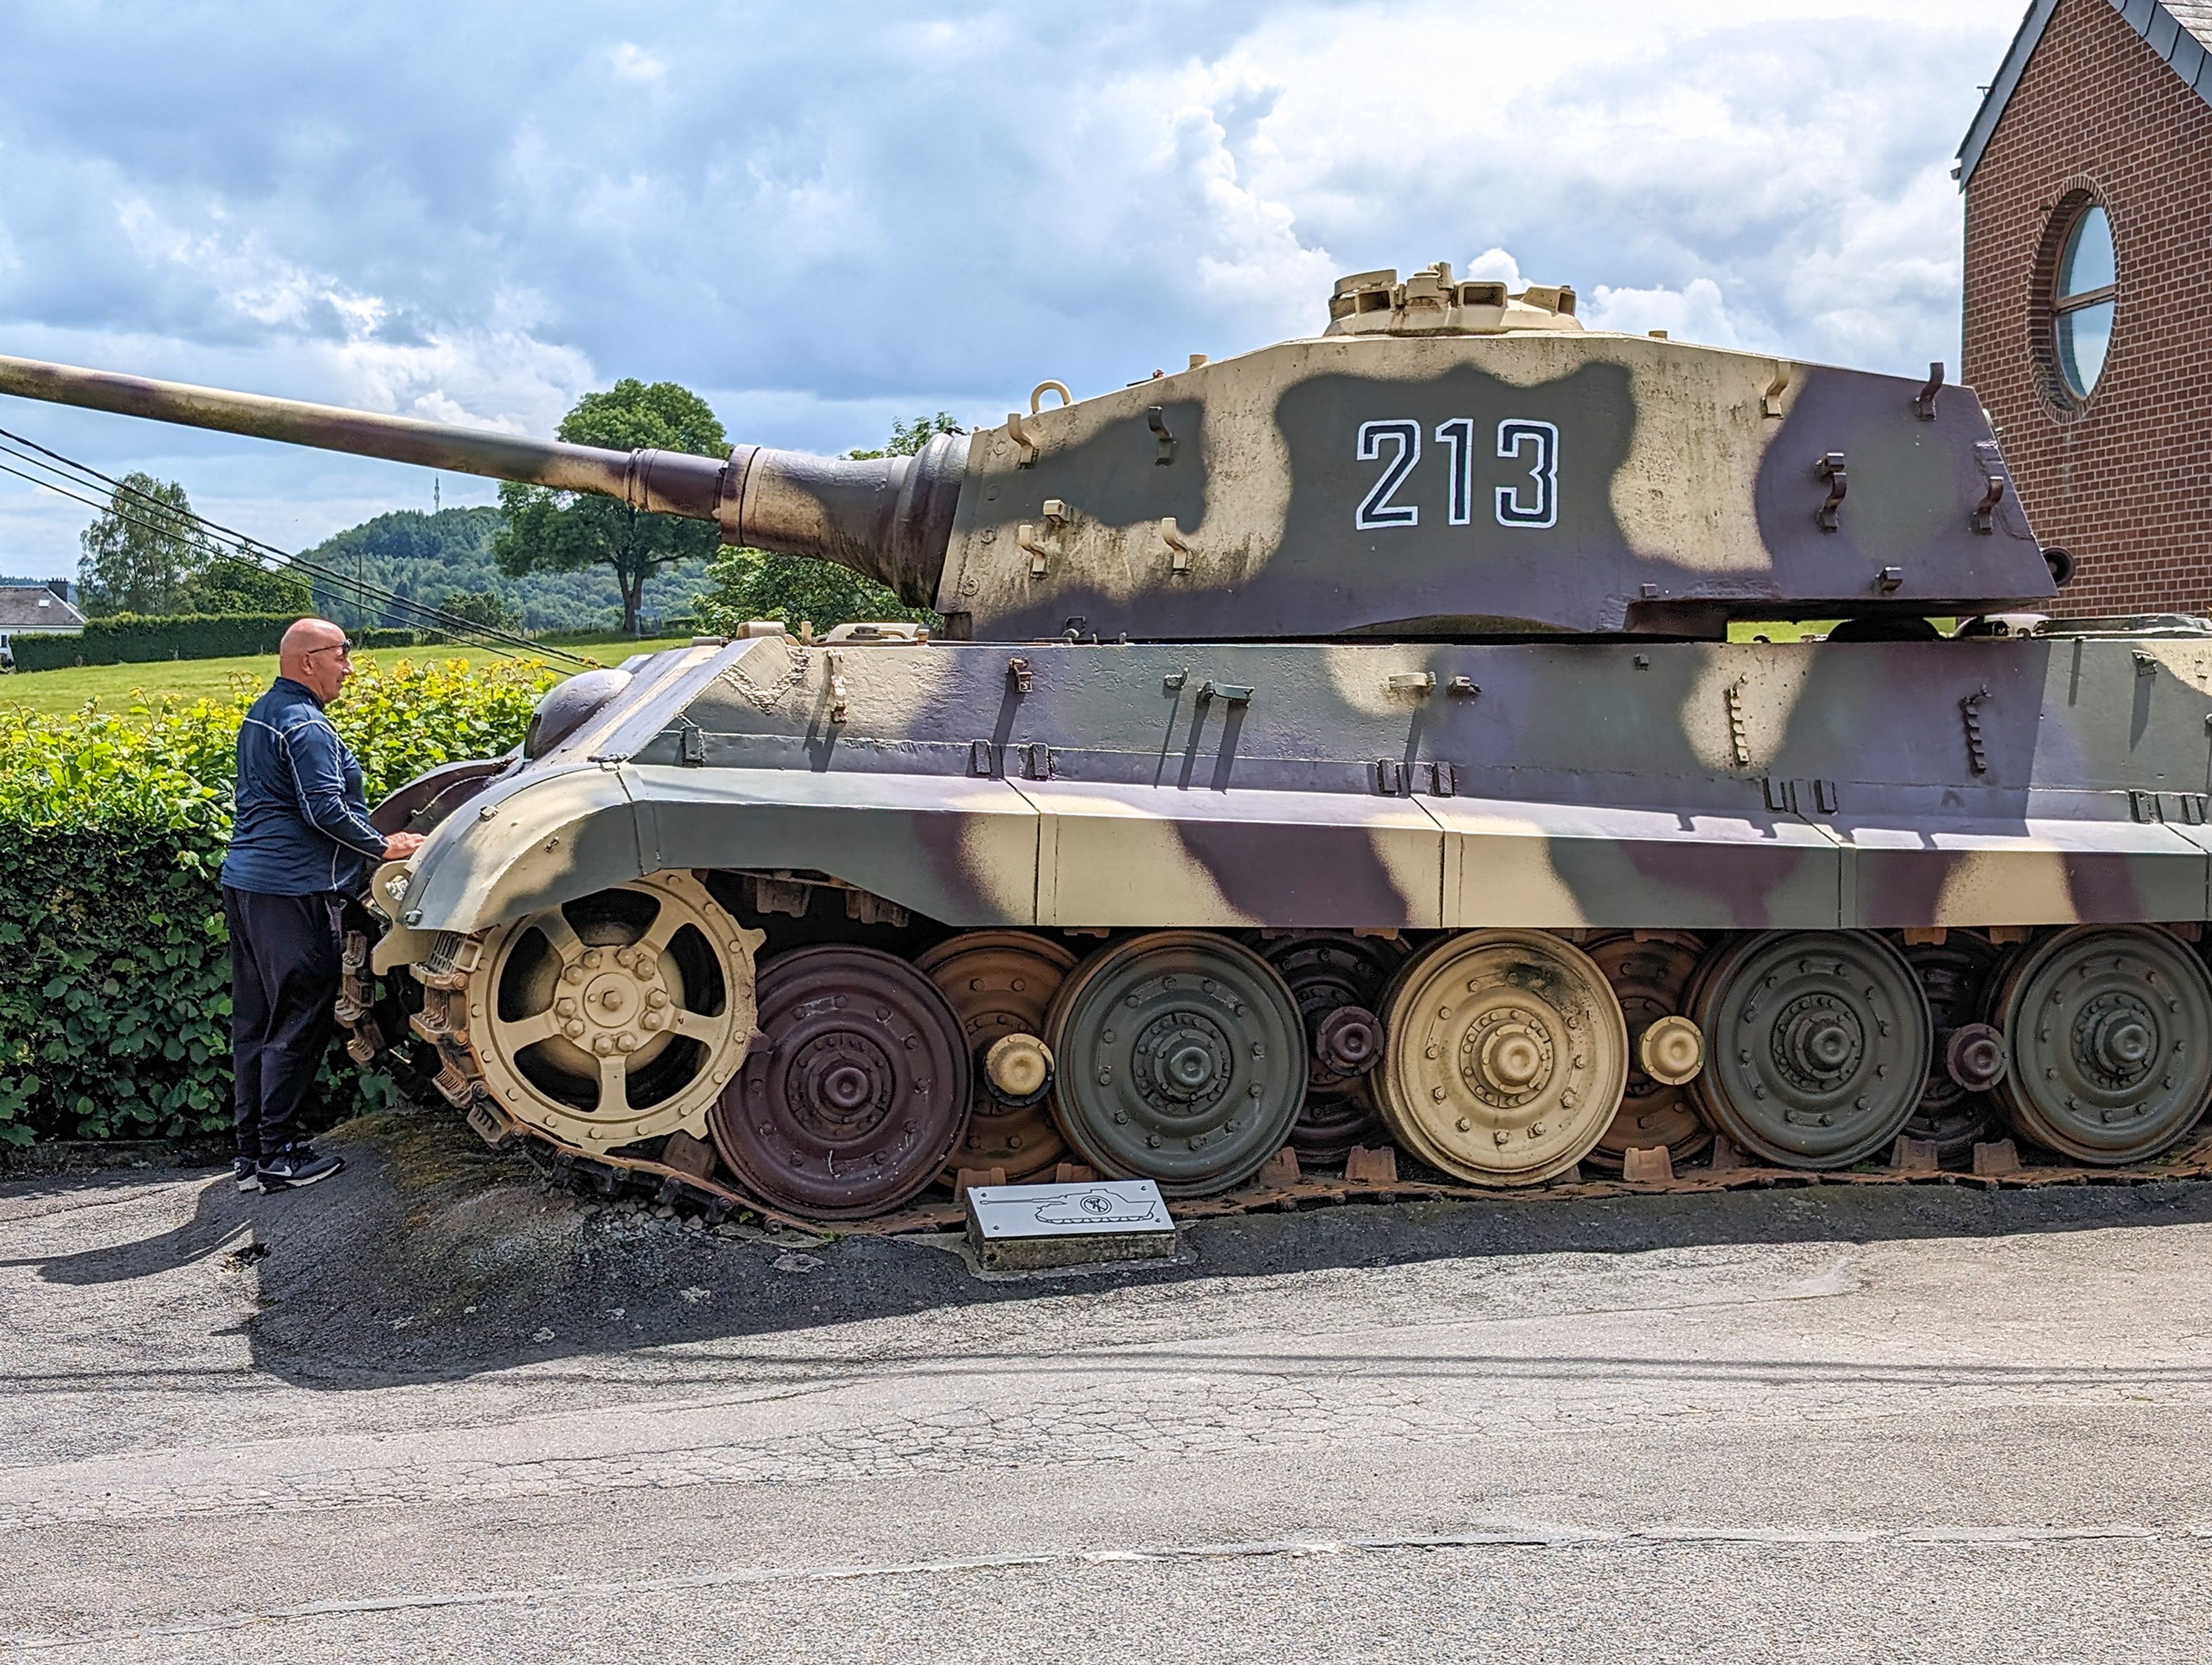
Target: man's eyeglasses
x=342, y=649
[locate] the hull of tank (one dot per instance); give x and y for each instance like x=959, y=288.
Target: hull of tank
x=1885, y=805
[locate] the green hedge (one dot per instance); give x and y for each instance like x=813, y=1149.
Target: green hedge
x=140, y=638
x=115, y=1009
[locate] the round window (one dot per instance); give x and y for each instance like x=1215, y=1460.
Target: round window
x=2081, y=302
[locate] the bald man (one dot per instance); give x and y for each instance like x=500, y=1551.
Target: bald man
x=300, y=844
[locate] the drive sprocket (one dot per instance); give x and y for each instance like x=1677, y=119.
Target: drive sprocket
x=616, y=1017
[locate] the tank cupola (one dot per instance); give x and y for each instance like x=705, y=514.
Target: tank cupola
x=1432, y=303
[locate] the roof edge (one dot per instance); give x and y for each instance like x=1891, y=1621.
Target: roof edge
x=2026, y=38
x=2175, y=42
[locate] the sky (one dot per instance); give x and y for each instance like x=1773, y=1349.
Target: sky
x=824, y=217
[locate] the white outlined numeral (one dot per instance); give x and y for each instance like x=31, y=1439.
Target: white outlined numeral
x=1515, y=435
x=1530, y=503
x=1458, y=433
x=1376, y=509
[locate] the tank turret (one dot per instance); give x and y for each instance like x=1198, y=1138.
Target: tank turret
x=1444, y=460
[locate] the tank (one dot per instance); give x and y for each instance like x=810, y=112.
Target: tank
x=1361, y=750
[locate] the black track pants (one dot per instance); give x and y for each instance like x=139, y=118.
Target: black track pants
x=284, y=969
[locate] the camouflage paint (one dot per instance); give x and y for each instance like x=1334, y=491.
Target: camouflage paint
x=1476, y=470
x=1593, y=785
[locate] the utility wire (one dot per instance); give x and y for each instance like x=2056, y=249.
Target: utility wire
x=171, y=522
x=222, y=553
x=230, y=545
x=174, y=522
x=461, y=628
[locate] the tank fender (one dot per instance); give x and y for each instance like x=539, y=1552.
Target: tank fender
x=527, y=844
x=1551, y=865
x=433, y=795
x=2070, y=861
x=960, y=850
x=1124, y=855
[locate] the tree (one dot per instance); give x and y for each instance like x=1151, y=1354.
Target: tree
x=486, y=607
x=238, y=586
x=563, y=531
x=908, y=437
x=749, y=584
x=424, y=556
x=143, y=550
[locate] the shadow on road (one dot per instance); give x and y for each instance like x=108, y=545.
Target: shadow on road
x=429, y=1258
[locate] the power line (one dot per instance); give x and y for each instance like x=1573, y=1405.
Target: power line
x=226, y=544
x=250, y=552
x=427, y=619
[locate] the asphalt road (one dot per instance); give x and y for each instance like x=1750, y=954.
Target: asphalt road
x=427, y=1411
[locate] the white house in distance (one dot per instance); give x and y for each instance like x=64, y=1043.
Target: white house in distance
x=36, y=610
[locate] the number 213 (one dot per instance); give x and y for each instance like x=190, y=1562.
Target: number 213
x=1532, y=500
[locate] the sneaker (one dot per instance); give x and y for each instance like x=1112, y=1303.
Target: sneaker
x=295, y=1165
x=247, y=1172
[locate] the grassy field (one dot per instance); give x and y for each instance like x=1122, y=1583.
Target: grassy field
x=116, y=687
x=1800, y=629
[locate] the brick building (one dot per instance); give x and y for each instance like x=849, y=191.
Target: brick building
x=2088, y=175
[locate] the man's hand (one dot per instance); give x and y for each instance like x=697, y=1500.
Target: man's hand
x=399, y=846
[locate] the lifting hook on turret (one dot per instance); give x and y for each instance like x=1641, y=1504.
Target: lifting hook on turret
x=1178, y=549
x=1831, y=469
x=1923, y=401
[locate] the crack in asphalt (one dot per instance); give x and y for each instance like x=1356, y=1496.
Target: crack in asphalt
x=1541, y=1538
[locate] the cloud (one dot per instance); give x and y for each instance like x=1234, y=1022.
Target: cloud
x=826, y=216
x=1697, y=311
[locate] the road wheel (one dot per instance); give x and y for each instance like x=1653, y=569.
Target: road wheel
x=857, y=1094
x=1955, y=975
x=2108, y=1033
x=1650, y=973
x=1182, y=1060
x=1818, y=1044
x=999, y=984
x=1506, y=1057
x=1337, y=980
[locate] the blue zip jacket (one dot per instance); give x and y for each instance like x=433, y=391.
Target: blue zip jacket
x=301, y=824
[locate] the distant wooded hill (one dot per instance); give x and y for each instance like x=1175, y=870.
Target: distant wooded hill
x=426, y=557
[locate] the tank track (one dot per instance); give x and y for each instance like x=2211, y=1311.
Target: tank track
x=684, y=1173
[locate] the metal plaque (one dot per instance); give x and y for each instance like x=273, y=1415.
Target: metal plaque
x=1022, y=1226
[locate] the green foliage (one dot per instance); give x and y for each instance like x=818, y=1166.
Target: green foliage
x=131, y=639
x=416, y=556
x=115, y=1015
x=127, y=638
x=564, y=531
x=908, y=437
x=407, y=718
x=749, y=584
x=143, y=550
x=237, y=587
x=485, y=607
x=422, y=558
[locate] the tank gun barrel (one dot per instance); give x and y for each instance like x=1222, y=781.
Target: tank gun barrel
x=888, y=518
